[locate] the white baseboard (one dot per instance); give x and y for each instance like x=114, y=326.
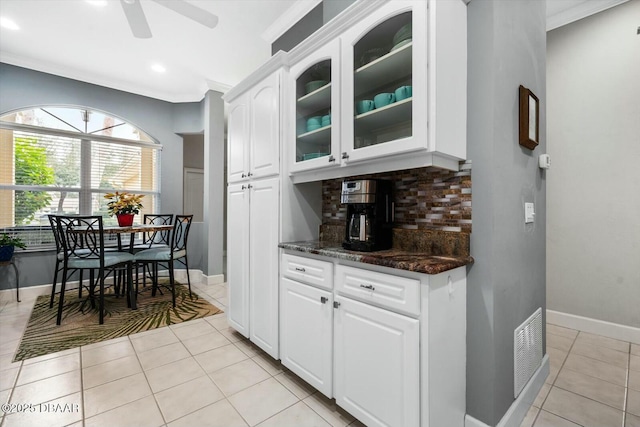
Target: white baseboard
x=519, y=408
x=32, y=292
x=594, y=326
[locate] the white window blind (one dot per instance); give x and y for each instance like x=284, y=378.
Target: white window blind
x=50, y=171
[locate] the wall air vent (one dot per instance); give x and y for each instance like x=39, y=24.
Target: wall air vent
x=527, y=350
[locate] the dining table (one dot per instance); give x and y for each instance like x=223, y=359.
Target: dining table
x=132, y=230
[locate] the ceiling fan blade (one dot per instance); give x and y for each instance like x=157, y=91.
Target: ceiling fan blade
x=137, y=21
x=190, y=11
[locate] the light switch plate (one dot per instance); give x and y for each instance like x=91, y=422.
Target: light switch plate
x=529, y=212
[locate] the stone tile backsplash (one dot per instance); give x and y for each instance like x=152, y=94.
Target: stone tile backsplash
x=425, y=199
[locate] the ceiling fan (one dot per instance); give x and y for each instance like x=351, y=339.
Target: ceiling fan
x=138, y=22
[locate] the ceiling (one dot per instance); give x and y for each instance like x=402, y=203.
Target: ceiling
x=73, y=38
x=76, y=39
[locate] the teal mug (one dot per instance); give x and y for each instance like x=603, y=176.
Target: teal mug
x=364, y=106
x=314, y=123
x=326, y=120
x=382, y=99
x=403, y=92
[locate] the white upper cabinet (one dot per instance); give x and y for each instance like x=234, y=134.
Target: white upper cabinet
x=254, y=131
x=314, y=127
x=238, y=139
x=398, y=100
x=384, y=64
x=265, y=128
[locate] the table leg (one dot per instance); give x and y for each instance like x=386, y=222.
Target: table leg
x=17, y=280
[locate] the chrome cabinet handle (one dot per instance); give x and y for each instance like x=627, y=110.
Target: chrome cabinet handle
x=324, y=300
x=345, y=155
x=249, y=186
x=332, y=159
x=243, y=187
x=244, y=176
x=300, y=269
x=249, y=174
x=336, y=304
x=368, y=287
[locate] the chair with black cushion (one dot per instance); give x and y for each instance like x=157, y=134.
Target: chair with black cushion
x=177, y=251
x=82, y=239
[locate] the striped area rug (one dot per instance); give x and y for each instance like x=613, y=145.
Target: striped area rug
x=80, y=322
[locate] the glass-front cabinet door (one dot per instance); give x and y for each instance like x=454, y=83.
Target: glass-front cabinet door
x=315, y=89
x=384, y=83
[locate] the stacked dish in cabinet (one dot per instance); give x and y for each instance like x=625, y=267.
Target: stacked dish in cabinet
x=382, y=81
x=313, y=112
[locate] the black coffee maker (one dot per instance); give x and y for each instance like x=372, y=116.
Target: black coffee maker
x=369, y=214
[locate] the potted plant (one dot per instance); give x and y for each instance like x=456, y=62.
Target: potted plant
x=8, y=245
x=124, y=206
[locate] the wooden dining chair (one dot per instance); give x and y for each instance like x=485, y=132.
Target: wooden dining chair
x=82, y=239
x=177, y=251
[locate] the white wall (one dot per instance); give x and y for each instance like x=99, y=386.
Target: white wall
x=593, y=197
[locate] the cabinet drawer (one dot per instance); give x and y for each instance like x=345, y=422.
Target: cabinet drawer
x=393, y=292
x=306, y=270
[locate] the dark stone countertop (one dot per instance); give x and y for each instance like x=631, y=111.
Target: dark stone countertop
x=404, y=260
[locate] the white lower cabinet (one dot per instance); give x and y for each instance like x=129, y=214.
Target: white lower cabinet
x=252, y=264
x=306, y=334
x=389, y=347
x=377, y=364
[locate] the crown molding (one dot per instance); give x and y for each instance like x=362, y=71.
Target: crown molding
x=287, y=20
x=277, y=61
x=579, y=11
x=86, y=77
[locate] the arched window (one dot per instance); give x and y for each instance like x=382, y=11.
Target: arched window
x=62, y=160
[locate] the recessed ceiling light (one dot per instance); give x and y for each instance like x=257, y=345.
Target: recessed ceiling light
x=158, y=68
x=97, y=3
x=8, y=24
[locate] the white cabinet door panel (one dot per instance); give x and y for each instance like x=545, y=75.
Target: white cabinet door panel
x=377, y=370
x=307, y=333
x=264, y=262
x=238, y=139
x=238, y=257
x=265, y=128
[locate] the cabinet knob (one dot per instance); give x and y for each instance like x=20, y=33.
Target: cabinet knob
x=300, y=269
x=368, y=287
x=244, y=176
x=332, y=159
x=249, y=186
x=336, y=304
x=324, y=300
x=249, y=174
x=345, y=155
x=243, y=187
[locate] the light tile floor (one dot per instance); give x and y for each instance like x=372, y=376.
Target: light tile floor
x=593, y=381
x=197, y=373
x=201, y=373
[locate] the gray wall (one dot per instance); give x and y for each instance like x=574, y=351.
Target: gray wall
x=193, y=153
x=506, y=284
x=22, y=88
x=316, y=18
x=593, y=256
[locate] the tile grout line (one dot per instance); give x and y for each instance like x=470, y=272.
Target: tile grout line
x=149, y=385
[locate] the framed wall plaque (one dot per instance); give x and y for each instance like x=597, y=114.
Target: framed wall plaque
x=529, y=119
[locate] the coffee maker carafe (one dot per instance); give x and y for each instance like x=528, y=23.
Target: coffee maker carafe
x=369, y=215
